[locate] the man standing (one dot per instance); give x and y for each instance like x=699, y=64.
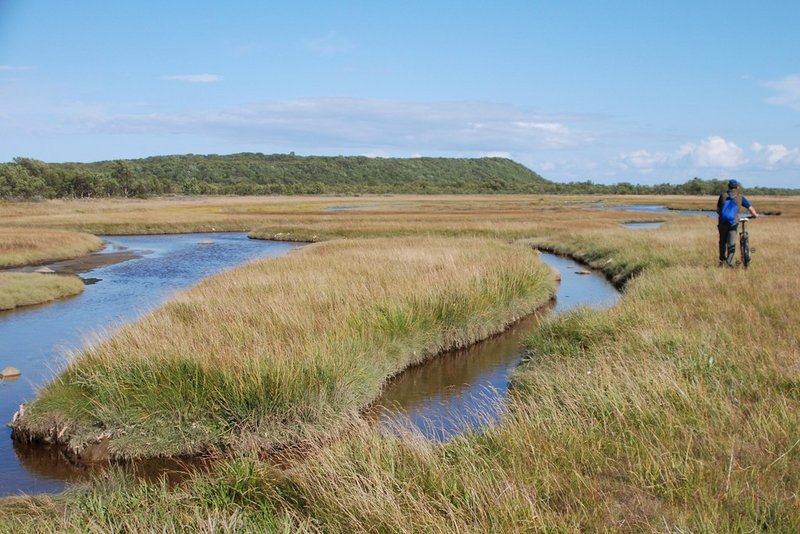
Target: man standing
x=728, y=206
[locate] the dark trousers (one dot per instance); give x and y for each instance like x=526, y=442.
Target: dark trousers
x=727, y=242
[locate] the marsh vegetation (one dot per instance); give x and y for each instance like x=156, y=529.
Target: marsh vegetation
x=24, y=246
x=264, y=355
x=676, y=410
x=25, y=289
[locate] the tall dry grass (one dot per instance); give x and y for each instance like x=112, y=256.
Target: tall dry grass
x=676, y=410
x=26, y=246
x=305, y=217
x=679, y=405
x=278, y=349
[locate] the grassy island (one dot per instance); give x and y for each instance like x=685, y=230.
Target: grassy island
x=27, y=246
x=281, y=349
x=25, y=289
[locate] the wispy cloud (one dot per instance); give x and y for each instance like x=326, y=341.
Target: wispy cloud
x=643, y=160
x=329, y=44
x=15, y=67
x=495, y=155
x=370, y=125
x=193, y=78
x=787, y=92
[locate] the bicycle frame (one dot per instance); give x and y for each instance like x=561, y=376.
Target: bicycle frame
x=744, y=243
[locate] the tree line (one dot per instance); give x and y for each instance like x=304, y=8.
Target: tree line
x=287, y=174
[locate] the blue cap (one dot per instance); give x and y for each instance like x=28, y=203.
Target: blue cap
x=733, y=184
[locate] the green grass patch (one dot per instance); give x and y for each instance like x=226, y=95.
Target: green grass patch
x=25, y=289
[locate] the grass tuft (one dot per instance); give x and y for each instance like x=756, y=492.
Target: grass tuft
x=26, y=246
x=26, y=289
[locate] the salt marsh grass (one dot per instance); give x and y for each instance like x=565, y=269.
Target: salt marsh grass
x=676, y=410
x=302, y=218
x=25, y=246
x=25, y=289
x=276, y=350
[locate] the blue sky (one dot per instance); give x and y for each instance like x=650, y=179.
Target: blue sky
x=645, y=92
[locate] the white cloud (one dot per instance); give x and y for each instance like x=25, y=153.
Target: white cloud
x=544, y=126
x=714, y=152
x=788, y=92
x=193, y=78
x=775, y=156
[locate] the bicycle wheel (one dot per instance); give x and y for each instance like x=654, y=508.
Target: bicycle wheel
x=744, y=247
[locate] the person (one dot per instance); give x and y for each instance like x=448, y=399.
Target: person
x=728, y=206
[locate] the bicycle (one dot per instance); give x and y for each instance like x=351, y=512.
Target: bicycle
x=744, y=242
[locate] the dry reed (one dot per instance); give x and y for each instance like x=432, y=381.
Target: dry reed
x=25, y=246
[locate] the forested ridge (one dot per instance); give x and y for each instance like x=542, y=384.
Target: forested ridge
x=288, y=174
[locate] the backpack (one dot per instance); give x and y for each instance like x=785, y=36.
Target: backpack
x=730, y=203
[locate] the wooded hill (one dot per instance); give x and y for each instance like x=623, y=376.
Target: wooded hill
x=259, y=174
x=287, y=174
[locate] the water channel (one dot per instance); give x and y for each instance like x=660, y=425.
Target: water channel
x=130, y=277
x=465, y=388
x=651, y=208
x=135, y=274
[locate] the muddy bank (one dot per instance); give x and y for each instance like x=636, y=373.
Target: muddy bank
x=84, y=263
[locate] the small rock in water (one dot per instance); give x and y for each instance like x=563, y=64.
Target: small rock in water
x=44, y=270
x=10, y=372
x=205, y=242
x=583, y=272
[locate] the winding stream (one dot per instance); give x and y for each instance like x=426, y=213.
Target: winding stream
x=465, y=388
x=131, y=277
x=135, y=274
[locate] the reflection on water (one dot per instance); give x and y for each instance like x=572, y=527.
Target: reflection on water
x=465, y=388
x=131, y=277
x=348, y=208
x=457, y=389
x=653, y=208
x=49, y=465
x=642, y=225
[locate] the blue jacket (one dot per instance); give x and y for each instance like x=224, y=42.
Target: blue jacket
x=728, y=206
